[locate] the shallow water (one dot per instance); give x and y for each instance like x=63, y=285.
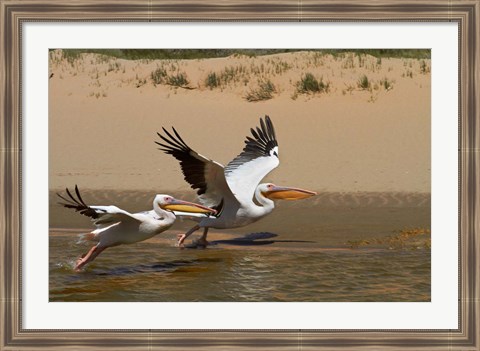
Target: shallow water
x=303, y=254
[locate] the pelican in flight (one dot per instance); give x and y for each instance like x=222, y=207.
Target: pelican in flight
x=234, y=191
x=118, y=227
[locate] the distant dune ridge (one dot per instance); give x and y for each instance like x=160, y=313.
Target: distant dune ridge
x=345, y=123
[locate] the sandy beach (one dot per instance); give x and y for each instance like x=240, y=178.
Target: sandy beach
x=104, y=114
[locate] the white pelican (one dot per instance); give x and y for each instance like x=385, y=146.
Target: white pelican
x=234, y=191
x=117, y=227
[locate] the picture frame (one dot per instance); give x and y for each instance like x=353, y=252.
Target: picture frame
x=15, y=13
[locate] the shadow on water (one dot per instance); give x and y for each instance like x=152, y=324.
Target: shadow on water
x=253, y=239
x=159, y=267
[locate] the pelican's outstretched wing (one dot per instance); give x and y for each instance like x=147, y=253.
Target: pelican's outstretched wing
x=258, y=158
x=101, y=215
x=204, y=175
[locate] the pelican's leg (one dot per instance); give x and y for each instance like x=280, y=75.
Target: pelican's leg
x=203, y=239
x=182, y=237
x=88, y=257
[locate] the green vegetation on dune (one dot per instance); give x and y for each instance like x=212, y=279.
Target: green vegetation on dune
x=265, y=91
x=382, y=53
x=311, y=73
x=178, y=54
x=309, y=84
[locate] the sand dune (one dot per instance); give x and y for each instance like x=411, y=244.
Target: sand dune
x=105, y=112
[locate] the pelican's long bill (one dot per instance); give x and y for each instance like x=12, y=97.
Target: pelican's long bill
x=287, y=193
x=185, y=206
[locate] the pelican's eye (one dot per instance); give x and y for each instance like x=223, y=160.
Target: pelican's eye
x=275, y=153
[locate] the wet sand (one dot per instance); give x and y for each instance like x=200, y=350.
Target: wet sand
x=359, y=213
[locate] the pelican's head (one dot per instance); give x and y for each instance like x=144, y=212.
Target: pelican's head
x=169, y=203
x=274, y=192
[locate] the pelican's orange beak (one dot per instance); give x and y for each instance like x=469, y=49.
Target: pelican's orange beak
x=287, y=193
x=185, y=206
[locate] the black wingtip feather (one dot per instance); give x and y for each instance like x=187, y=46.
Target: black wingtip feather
x=262, y=124
x=254, y=133
x=261, y=144
x=64, y=199
x=193, y=168
x=78, y=196
x=270, y=128
x=77, y=203
x=180, y=138
x=172, y=141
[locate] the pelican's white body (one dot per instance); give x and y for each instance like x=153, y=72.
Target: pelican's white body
x=118, y=227
x=236, y=214
x=239, y=190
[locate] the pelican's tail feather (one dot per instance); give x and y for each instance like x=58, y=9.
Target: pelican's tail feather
x=82, y=238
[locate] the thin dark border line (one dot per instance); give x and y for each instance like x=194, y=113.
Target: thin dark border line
x=244, y=21
x=300, y=330
x=459, y=175
x=21, y=215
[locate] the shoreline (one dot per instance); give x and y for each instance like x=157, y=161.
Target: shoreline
x=323, y=198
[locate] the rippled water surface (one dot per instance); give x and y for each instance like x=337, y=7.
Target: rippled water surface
x=302, y=252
